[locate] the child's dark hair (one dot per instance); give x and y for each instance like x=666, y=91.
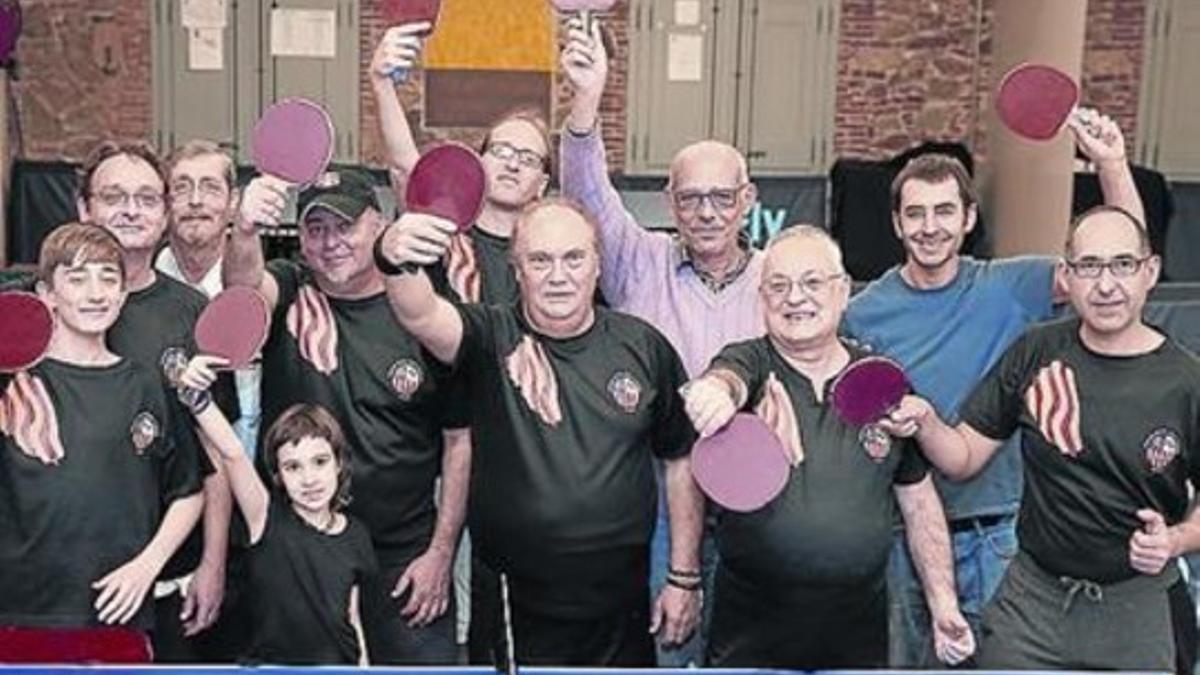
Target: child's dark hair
x=301, y=421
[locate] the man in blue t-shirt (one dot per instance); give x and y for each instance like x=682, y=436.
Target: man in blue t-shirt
x=947, y=318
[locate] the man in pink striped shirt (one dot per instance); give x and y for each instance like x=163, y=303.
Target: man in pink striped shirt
x=700, y=286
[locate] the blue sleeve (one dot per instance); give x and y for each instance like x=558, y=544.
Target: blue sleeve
x=1031, y=281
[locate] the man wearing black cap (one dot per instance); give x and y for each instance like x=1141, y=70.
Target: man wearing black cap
x=334, y=342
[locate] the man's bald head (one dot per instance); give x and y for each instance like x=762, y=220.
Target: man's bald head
x=705, y=152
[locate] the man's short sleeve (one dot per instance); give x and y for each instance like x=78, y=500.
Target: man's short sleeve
x=748, y=360
x=1031, y=280
x=994, y=406
x=913, y=466
x=183, y=463
x=674, y=434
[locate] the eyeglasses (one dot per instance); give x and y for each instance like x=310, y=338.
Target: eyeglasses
x=722, y=199
x=506, y=152
x=1120, y=266
x=144, y=200
x=208, y=189
x=779, y=287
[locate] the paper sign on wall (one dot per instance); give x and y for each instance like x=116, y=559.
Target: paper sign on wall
x=206, y=48
x=685, y=57
x=687, y=12
x=309, y=33
x=203, y=13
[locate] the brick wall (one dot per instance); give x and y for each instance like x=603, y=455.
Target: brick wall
x=910, y=70
x=907, y=70
x=84, y=74
x=612, y=107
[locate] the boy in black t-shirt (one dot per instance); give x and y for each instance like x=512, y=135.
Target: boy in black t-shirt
x=307, y=558
x=571, y=402
x=1109, y=414
x=99, y=490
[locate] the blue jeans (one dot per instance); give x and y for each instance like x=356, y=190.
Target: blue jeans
x=981, y=556
x=691, y=653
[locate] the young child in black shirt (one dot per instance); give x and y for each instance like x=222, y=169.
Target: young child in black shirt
x=307, y=557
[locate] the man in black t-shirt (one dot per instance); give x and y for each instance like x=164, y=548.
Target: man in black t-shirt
x=571, y=403
x=334, y=342
x=98, y=490
x=801, y=582
x=124, y=190
x=1109, y=414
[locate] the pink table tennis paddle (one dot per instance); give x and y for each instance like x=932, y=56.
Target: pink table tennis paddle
x=743, y=466
x=233, y=326
x=448, y=182
x=293, y=140
x=26, y=326
x=1034, y=100
x=400, y=12
x=867, y=389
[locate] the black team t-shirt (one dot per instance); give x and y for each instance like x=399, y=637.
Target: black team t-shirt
x=1138, y=424
x=353, y=358
x=567, y=510
x=300, y=582
x=65, y=526
x=832, y=524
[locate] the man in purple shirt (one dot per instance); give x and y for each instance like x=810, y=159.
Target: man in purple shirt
x=699, y=287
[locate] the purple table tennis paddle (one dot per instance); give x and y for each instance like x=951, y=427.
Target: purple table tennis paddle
x=867, y=389
x=743, y=466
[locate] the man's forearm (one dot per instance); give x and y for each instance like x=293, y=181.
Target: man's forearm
x=397, y=136
x=1119, y=189
x=244, y=264
x=218, y=509
x=929, y=542
x=452, y=504
x=685, y=511
x=182, y=515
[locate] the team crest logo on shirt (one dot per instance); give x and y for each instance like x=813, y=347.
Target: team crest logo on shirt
x=625, y=391
x=173, y=362
x=143, y=431
x=876, y=441
x=1160, y=448
x=406, y=377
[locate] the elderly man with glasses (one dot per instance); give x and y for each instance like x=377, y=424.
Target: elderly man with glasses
x=801, y=583
x=1108, y=413
x=699, y=287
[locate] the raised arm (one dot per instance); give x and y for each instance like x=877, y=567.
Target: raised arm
x=404, y=248
x=398, y=50
x=583, y=168
x=1100, y=138
x=253, y=498
x=262, y=205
